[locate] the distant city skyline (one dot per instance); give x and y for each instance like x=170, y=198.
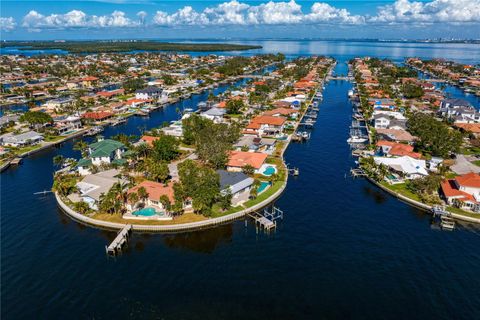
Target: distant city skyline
x=122, y=19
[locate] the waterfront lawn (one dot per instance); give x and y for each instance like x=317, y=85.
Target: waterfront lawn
x=49, y=138
x=402, y=189
x=463, y=212
x=218, y=212
x=266, y=194
x=184, y=218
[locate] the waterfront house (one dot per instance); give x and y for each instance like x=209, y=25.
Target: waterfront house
x=239, y=159
x=459, y=110
x=255, y=144
x=64, y=124
x=463, y=191
x=393, y=120
x=97, y=116
x=149, y=93
x=282, y=112
x=397, y=135
x=394, y=149
x=21, y=140
x=405, y=166
x=154, y=191
x=266, y=125
x=93, y=186
x=102, y=152
x=214, y=114
x=59, y=103
x=238, y=183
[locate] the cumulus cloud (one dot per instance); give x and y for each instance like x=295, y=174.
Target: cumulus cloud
x=76, y=19
x=7, y=24
x=270, y=13
x=450, y=11
x=266, y=13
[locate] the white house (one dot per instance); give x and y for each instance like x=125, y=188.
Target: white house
x=409, y=167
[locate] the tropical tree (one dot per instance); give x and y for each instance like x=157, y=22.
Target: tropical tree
x=234, y=106
x=225, y=199
x=157, y=170
x=64, y=184
x=142, y=193
x=81, y=207
x=81, y=146
x=58, y=160
x=36, y=118
x=248, y=169
x=165, y=201
x=165, y=148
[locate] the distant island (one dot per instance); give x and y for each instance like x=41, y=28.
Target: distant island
x=124, y=46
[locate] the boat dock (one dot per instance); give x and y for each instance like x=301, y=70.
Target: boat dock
x=120, y=241
x=266, y=220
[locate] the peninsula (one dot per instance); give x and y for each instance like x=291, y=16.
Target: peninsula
x=124, y=46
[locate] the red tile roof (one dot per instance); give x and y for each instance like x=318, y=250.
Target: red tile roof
x=450, y=190
x=97, y=115
x=149, y=139
x=241, y=159
x=155, y=190
x=399, y=149
x=471, y=180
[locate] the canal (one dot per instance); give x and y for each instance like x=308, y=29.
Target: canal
x=344, y=250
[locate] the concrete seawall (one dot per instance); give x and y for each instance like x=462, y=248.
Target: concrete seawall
x=421, y=205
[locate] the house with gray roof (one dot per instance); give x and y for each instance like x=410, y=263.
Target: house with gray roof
x=93, y=186
x=238, y=183
x=22, y=139
x=150, y=92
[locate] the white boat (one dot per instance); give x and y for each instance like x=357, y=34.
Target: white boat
x=356, y=139
x=350, y=93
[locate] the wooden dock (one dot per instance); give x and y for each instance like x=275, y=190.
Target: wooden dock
x=120, y=241
x=266, y=220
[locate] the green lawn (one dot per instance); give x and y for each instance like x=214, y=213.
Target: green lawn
x=265, y=195
x=402, y=189
x=476, y=162
x=463, y=212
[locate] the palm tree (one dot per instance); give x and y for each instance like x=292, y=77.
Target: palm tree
x=58, y=160
x=133, y=198
x=142, y=193
x=81, y=146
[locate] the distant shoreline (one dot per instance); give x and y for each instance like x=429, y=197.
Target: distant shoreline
x=102, y=46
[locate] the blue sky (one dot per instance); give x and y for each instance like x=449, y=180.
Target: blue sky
x=114, y=19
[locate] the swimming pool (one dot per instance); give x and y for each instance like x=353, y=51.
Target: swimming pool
x=269, y=171
x=263, y=185
x=146, y=212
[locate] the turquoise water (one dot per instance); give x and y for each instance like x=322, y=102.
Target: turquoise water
x=146, y=212
x=269, y=171
x=263, y=185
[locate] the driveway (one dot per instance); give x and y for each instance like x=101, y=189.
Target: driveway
x=463, y=166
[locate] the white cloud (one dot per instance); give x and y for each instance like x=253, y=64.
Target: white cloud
x=323, y=12
x=267, y=13
x=449, y=11
x=270, y=13
x=76, y=19
x=7, y=24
